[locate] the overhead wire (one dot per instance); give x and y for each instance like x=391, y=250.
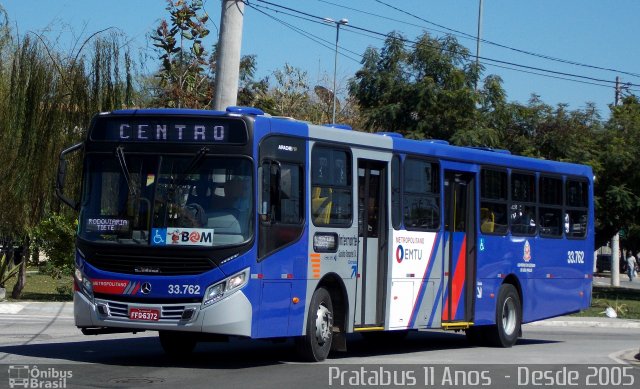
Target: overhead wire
x=518, y=67
x=544, y=56
x=321, y=41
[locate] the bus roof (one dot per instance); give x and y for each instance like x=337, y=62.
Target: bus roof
x=388, y=140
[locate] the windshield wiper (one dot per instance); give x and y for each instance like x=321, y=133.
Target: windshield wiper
x=195, y=160
x=125, y=170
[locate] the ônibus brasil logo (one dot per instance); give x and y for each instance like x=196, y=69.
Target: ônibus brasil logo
x=407, y=254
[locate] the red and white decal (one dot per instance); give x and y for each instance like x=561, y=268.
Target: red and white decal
x=116, y=286
x=190, y=236
x=110, y=286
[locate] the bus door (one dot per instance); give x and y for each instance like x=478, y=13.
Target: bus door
x=373, y=244
x=460, y=251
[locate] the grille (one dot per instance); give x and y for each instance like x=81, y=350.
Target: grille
x=168, y=312
x=151, y=265
x=118, y=310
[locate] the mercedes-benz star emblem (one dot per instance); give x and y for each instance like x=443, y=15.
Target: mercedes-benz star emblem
x=146, y=288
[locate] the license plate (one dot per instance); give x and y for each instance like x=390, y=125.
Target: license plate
x=144, y=314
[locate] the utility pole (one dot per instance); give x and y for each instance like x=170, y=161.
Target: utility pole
x=615, y=241
x=228, y=63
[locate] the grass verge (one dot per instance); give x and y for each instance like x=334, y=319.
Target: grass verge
x=625, y=301
x=42, y=287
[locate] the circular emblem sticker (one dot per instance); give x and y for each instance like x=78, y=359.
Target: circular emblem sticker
x=399, y=253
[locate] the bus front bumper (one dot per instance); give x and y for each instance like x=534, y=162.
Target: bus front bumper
x=229, y=316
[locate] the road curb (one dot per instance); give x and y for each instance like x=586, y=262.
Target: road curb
x=587, y=323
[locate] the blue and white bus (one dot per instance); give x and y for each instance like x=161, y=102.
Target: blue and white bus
x=206, y=225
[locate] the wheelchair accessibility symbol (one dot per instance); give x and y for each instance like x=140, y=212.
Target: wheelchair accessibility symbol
x=159, y=236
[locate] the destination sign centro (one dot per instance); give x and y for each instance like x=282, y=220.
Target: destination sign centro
x=178, y=132
x=154, y=129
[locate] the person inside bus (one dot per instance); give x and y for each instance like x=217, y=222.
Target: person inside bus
x=201, y=192
x=236, y=194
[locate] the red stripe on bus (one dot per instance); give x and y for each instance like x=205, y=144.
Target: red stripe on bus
x=458, y=282
x=459, y=277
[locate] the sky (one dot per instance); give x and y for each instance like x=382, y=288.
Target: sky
x=582, y=35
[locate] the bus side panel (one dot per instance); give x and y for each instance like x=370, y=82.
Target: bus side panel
x=283, y=279
x=493, y=259
x=554, y=275
x=545, y=298
x=416, y=269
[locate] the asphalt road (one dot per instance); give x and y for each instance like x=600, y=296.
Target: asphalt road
x=44, y=335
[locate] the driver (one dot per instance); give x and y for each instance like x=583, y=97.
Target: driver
x=236, y=193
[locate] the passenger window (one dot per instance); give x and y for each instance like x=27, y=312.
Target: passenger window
x=421, y=196
x=550, y=217
x=576, y=208
x=331, y=193
x=493, y=204
x=523, y=204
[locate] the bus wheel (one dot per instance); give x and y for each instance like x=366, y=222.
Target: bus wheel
x=508, y=318
x=177, y=344
x=316, y=344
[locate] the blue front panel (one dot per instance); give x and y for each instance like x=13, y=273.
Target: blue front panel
x=283, y=273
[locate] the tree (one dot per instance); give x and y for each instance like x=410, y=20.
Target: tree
x=182, y=75
x=618, y=180
x=46, y=101
x=426, y=92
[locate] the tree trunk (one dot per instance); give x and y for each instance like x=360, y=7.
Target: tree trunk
x=22, y=273
x=35, y=257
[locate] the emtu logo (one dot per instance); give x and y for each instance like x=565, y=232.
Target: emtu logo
x=399, y=253
x=408, y=254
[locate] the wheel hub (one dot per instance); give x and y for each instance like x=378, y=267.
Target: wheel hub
x=324, y=322
x=509, y=316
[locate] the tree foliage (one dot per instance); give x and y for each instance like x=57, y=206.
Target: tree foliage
x=46, y=101
x=423, y=92
x=182, y=75
x=618, y=180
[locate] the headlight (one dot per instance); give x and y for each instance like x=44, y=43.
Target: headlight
x=85, y=284
x=225, y=287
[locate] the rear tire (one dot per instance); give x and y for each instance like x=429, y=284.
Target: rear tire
x=508, y=318
x=316, y=344
x=177, y=344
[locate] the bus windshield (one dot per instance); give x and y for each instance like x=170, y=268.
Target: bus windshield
x=167, y=200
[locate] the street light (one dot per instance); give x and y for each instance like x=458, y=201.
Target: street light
x=335, y=64
x=478, y=42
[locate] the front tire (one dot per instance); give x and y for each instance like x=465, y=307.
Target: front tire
x=316, y=344
x=177, y=344
x=508, y=318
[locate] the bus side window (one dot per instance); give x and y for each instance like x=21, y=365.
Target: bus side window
x=331, y=202
x=493, y=204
